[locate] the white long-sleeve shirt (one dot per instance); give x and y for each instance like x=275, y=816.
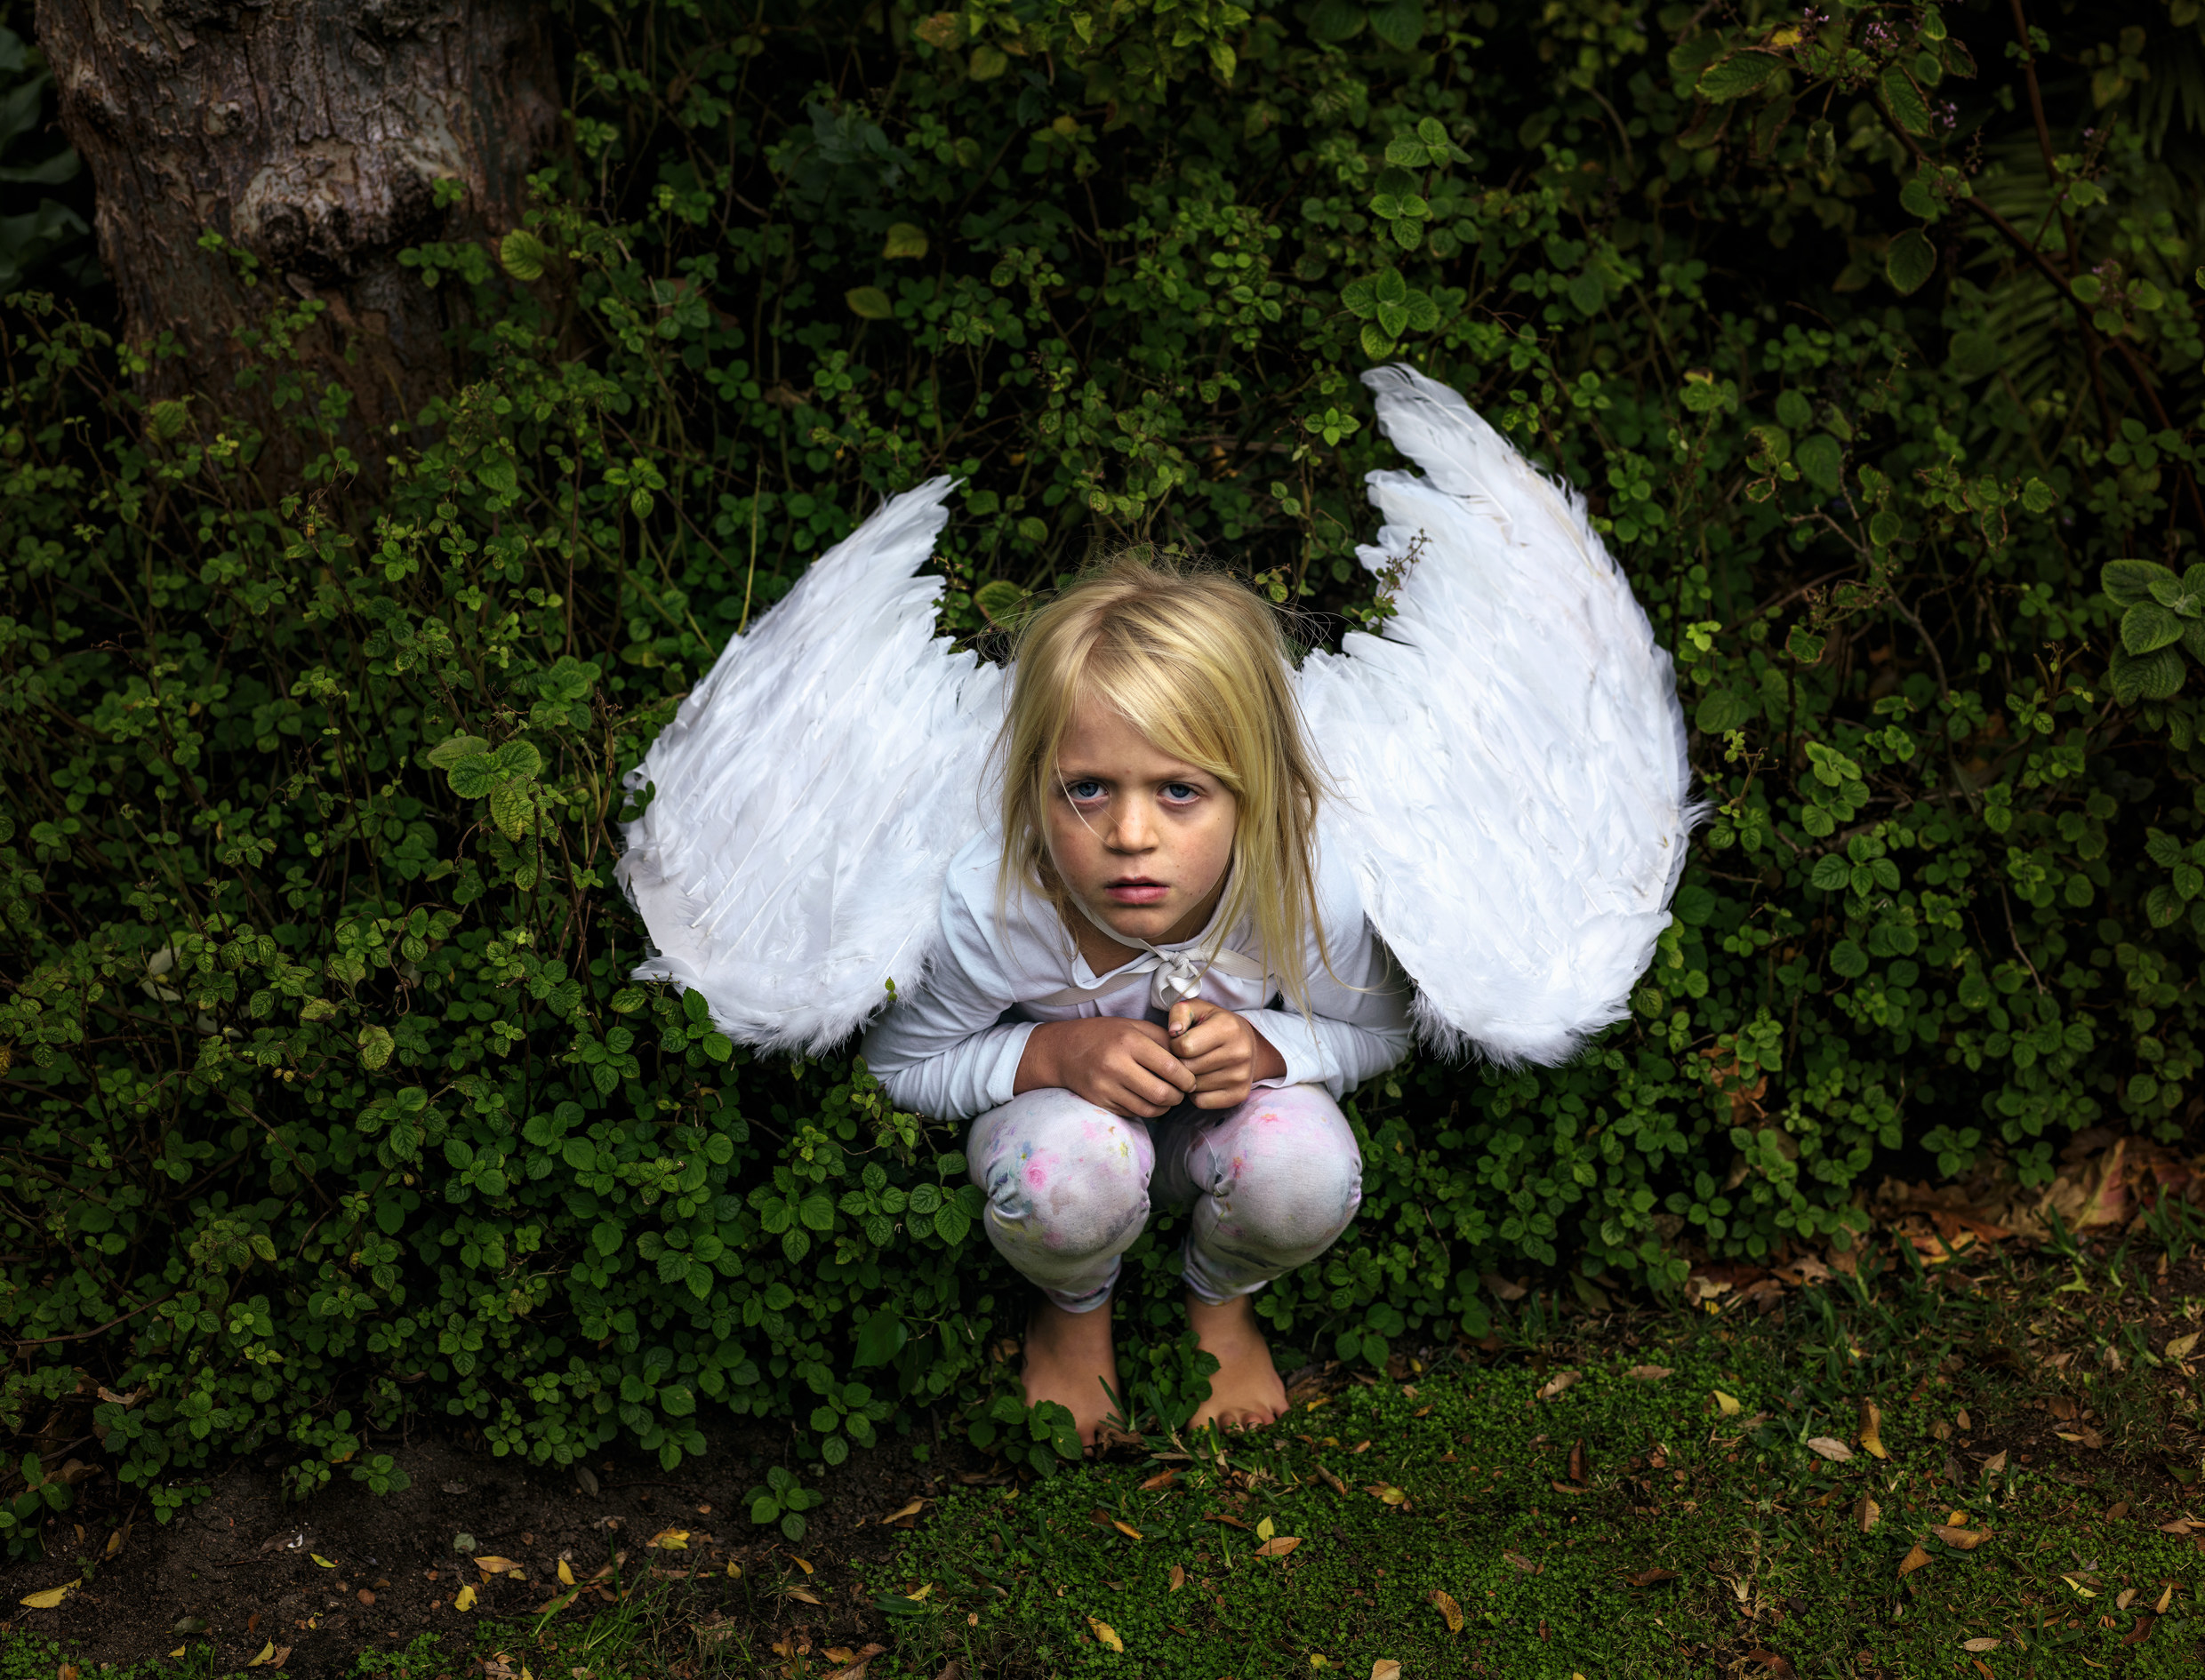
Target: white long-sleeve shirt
x=951, y=1049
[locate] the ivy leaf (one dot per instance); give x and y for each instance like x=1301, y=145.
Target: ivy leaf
x=2130, y=582
x=1822, y=461
x=375, y=1047
x=511, y=808
x=2147, y=626
x=523, y=255
x=904, y=241
x=1911, y=260
x=2145, y=676
x=1738, y=75
x=870, y=303
x=1904, y=101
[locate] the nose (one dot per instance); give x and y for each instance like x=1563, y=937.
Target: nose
x=1130, y=828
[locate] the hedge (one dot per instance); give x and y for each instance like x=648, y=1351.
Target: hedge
x=328, y=1098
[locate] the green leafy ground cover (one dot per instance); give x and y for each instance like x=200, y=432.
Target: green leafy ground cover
x=1607, y=1523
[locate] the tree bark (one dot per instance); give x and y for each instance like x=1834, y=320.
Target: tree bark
x=311, y=135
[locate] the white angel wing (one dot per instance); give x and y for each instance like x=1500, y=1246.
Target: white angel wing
x=811, y=792
x=1509, y=749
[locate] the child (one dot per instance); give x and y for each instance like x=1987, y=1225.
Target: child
x=1151, y=984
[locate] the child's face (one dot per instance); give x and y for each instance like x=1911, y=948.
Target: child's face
x=1142, y=837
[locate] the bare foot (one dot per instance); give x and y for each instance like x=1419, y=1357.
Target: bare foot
x=1068, y=1357
x=1244, y=1392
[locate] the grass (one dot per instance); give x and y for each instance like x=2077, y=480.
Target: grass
x=1547, y=1507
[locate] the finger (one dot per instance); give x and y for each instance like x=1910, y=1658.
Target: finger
x=1189, y=1012
x=1222, y=1031
x=1224, y=1097
x=1156, y=1060
x=1224, y=1059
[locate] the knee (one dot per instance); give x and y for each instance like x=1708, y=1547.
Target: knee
x=1298, y=1176
x=1076, y=1173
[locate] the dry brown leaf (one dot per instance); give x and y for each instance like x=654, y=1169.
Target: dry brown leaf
x=1279, y=1546
x=1568, y=1487
x=1995, y=1465
x=2142, y=1631
x=2166, y=1599
x=1445, y=1604
x=1384, y=1493
x=495, y=1565
x=1981, y=1645
x=906, y=1513
x=1385, y=1668
x=1560, y=1382
x=2084, y=1437
x=1501, y=1287
x=2181, y=1526
x=1161, y=1479
x=1829, y=1446
x=1330, y=1480
x=2127, y=1598
x=802, y=1594
x=1650, y=1577
x=1915, y=1558
x=1178, y=1578
x=1870, y=1431
x=1127, y=1529
x=1768, y=1660
x=1966, y=1539
x=1230, y=1521
x=1105, y=1635
x=853, y=1662
x=1867, y=1514
x=1650, y=1373
x=1580, y=1467
x=2181, y=1347
x=1522, y=1562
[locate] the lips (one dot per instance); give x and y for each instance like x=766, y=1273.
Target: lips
x=1136, y=892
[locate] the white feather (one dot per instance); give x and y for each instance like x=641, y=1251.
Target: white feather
x=1510, y=749
x=810, y=794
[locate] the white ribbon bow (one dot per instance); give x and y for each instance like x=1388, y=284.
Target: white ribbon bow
x=1173, y=976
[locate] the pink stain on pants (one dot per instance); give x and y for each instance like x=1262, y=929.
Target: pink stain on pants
x=1272, y=1184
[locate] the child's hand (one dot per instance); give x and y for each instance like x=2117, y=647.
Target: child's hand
x=1225, y=1054
x=1124, y=1066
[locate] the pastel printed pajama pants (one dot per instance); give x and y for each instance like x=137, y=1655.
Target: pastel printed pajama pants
x=1272, y=1183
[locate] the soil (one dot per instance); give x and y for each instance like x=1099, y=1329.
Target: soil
x=247, y=1562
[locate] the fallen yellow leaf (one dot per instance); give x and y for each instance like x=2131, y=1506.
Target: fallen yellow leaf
x=802, y=1595
x=1966, y=1539
x=566, y=1575
x=1386, y=1493
x=1445, y=1605
x=905, y=1512
x=806, y=1566
x=2088, y=1592
x=176, y=1653
x=671, y=1540
x=734, y=1569
x=50, y=1597
x=1870, y=1431
x=1728, y=1403
x=267, y=1656
x=1129, y=1531
x=1264, y=1530
x=2181, y=1347
x=1915, y=1558
x=1278, y=1547
x=1105, y=1635
x=324, y=1562
x=1867, y=1514
x=495, y=1565
x=1385, y=1668
x=463, y=1599
x=2165, y=1599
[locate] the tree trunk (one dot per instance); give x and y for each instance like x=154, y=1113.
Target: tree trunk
x=312, y=134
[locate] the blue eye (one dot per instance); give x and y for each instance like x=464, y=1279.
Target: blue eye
x=1085, y=789
x=1181, y=792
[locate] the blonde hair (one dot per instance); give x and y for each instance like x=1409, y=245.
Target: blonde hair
x=1195, y=661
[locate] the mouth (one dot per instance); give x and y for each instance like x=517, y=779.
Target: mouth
x=1135, y=890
